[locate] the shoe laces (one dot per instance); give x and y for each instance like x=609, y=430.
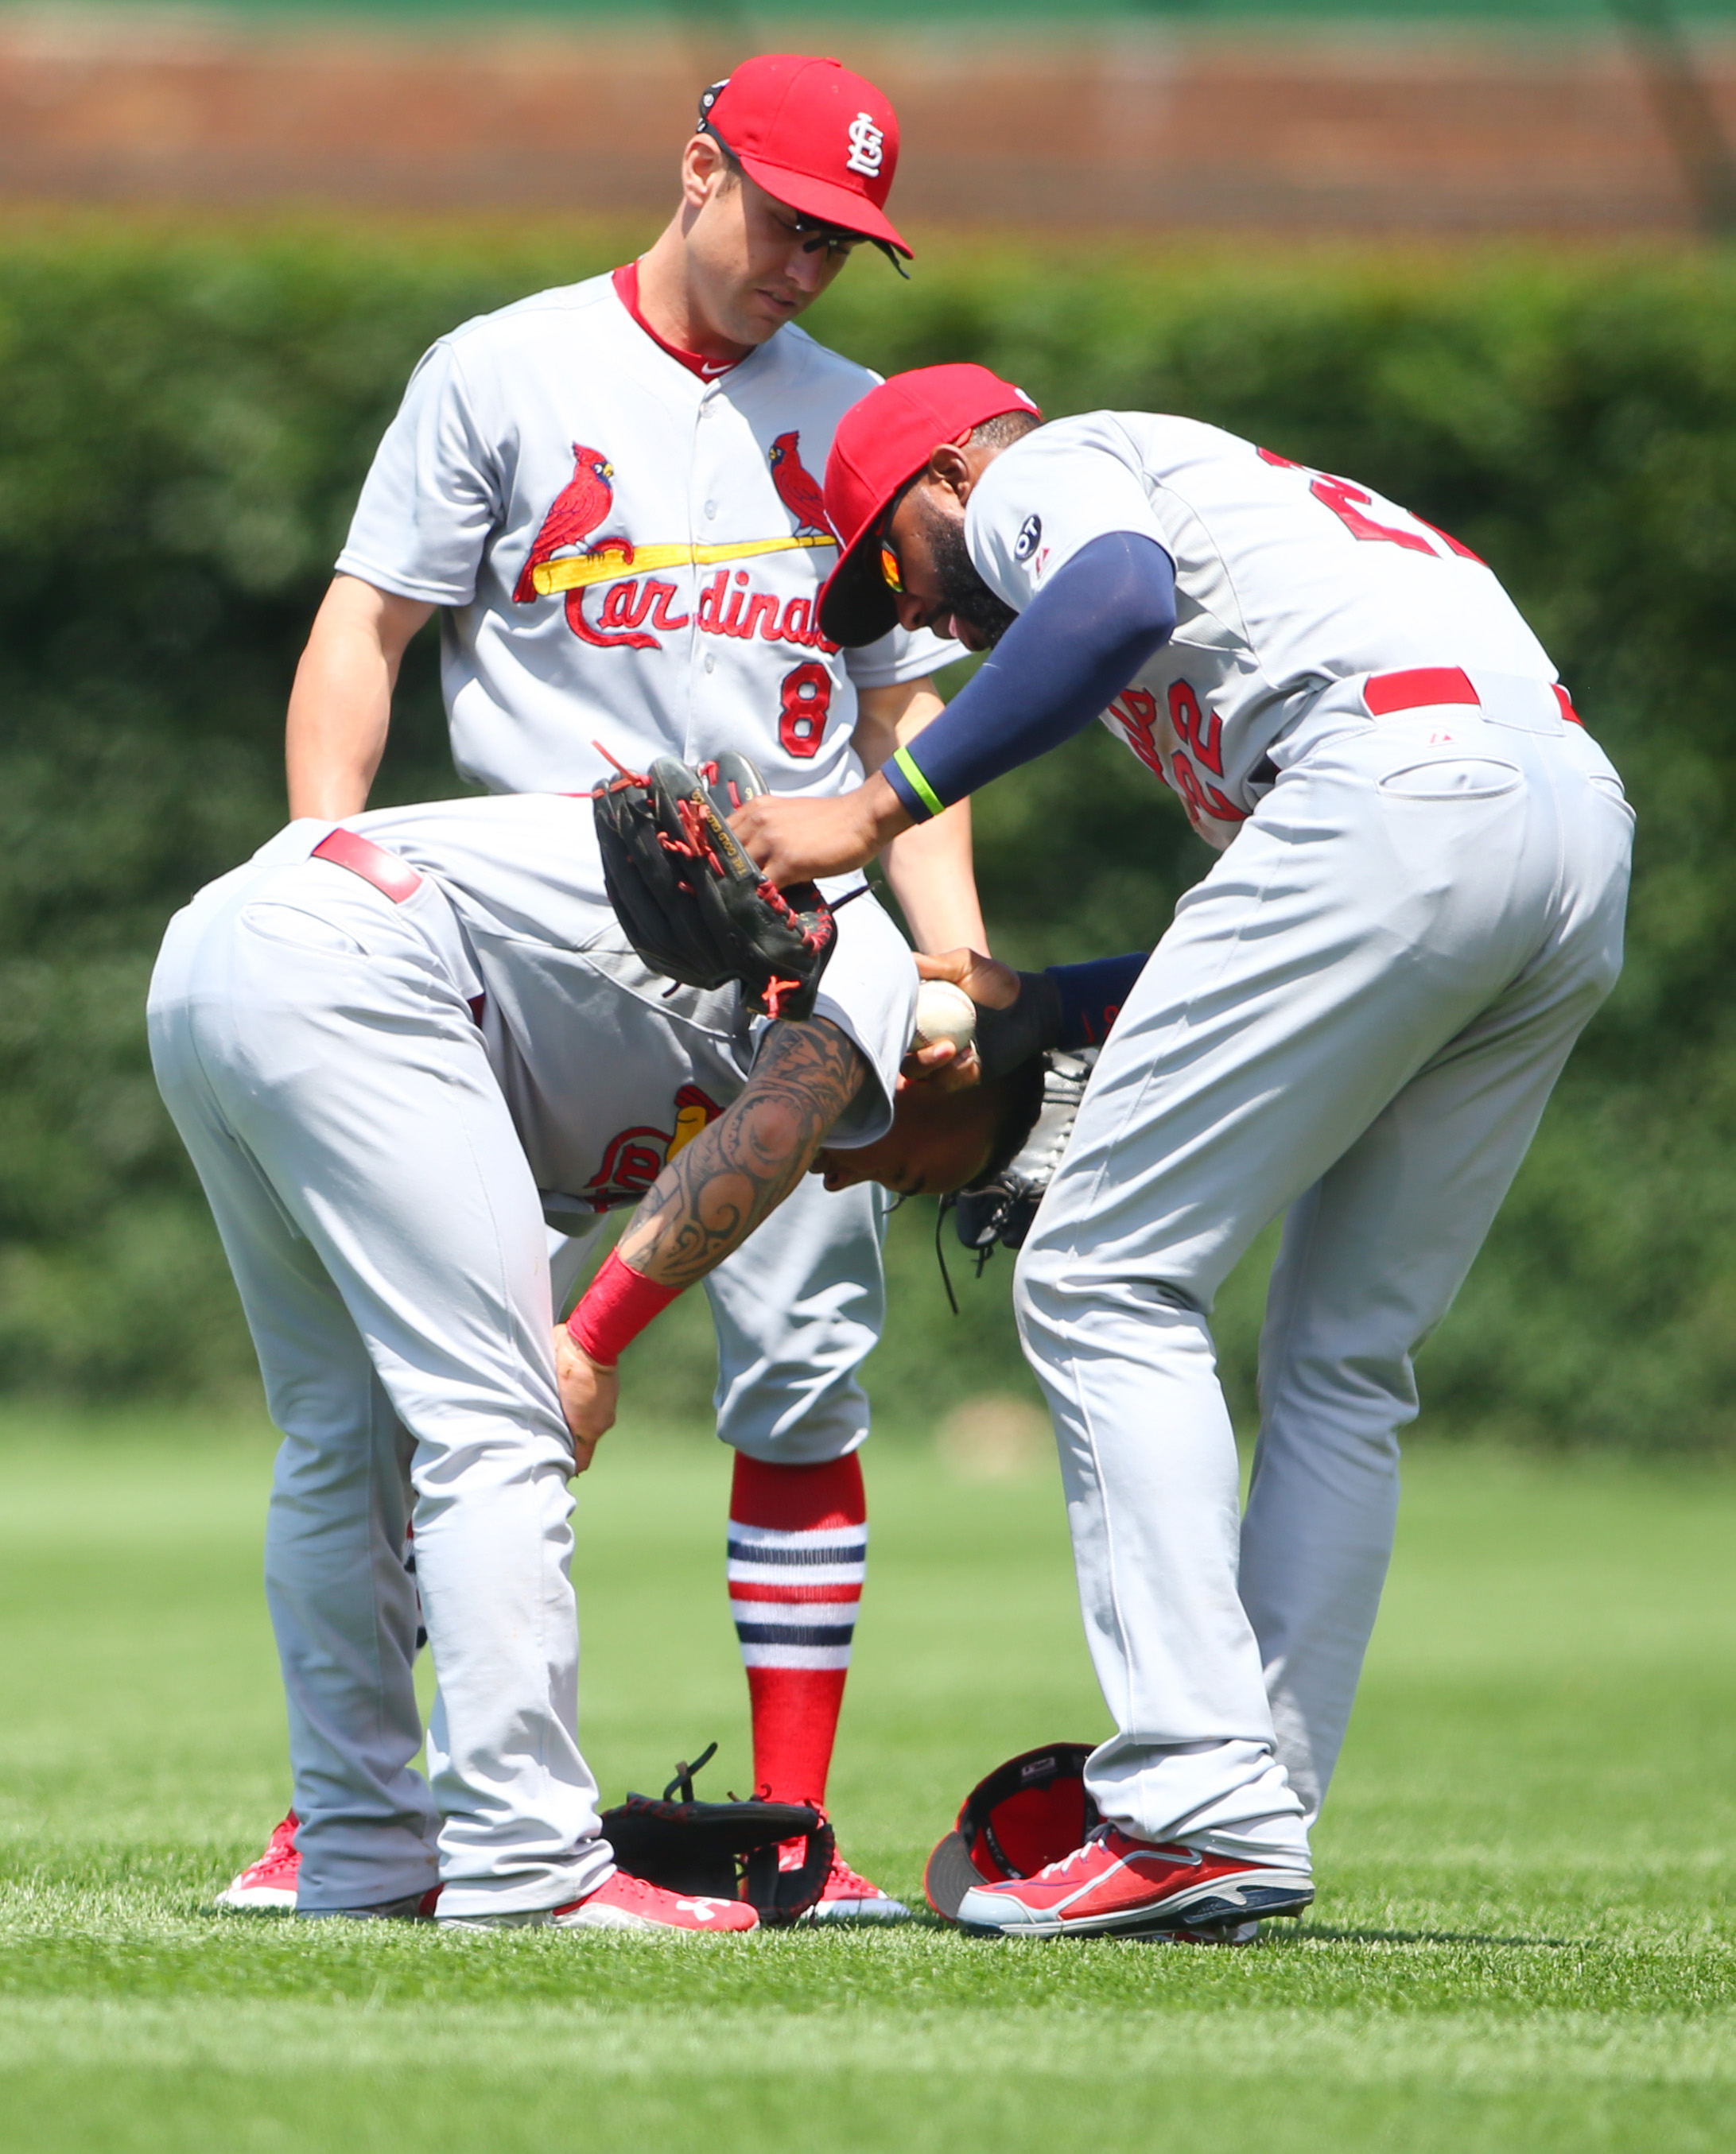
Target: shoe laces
x=1093, y=1840
x=279, y=1849
x=844, y=1883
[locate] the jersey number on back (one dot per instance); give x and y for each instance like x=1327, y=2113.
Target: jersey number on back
x=1347, y=503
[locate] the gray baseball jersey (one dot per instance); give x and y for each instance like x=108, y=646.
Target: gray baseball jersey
x=630, y=554
x=1286, y=579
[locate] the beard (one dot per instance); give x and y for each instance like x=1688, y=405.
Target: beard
x=963, y=590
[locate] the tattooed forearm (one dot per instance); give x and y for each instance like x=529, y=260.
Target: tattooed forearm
x=717, y=1189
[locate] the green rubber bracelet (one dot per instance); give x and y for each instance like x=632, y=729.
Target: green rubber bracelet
x=918, y=784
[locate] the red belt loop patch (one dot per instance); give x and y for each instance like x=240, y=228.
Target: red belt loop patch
x=1383, y=693
x=396, y=879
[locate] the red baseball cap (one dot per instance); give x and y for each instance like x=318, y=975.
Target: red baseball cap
x=880, y=443
x=1028, y=1812
x=818, y=137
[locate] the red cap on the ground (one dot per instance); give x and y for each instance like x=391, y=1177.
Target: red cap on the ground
x=1028, y=1812
x=880, y=443
x=818, y=137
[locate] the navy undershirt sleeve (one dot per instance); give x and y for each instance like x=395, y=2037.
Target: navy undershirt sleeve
x=1092, y=995
x=1061, y=664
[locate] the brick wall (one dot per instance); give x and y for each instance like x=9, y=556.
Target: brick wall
x=1355, y=130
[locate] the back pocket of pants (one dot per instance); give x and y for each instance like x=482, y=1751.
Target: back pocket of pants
x=1452, y=778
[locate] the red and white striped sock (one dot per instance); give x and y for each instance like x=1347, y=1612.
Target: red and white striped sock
x=798, y=1554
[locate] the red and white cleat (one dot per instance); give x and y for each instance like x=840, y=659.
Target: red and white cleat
x=850, y=1898
x=621, y=1902
x=268, y=1887
x=1115, y=1885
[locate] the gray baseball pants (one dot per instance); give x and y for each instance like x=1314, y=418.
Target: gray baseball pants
x=1357, y=1017
x=316, y=1048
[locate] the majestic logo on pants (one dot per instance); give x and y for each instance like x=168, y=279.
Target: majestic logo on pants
x=633, y=1159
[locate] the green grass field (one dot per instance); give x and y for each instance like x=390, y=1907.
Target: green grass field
x=1524, y=1938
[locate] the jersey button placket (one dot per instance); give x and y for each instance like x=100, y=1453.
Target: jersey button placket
x=703, y=514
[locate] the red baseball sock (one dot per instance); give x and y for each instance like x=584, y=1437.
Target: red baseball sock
x=798, y=1554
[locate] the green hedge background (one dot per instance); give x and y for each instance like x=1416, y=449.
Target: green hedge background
x=185, y=416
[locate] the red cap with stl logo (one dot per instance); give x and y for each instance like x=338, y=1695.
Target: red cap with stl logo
x=820, y=139
x=880, y=443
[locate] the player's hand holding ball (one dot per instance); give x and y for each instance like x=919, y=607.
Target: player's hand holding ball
x=590, y=1394
x=1017, y=1014
x=957, y=986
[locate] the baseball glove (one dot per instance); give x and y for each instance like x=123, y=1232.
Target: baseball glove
x=693, y=905
x=723, y=1851
x=1000, y=1212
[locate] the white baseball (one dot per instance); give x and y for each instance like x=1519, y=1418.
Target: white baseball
x=944, y=1012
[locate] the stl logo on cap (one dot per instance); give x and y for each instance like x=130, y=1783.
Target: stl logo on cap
x=867, y=146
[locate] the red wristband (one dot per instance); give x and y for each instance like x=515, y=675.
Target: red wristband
x=615, y=1308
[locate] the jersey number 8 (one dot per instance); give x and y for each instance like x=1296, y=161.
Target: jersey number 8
x=806, y=696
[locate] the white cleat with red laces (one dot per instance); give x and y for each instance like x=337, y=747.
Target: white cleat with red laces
x=268, y=1887
x=1117, y=1886
x=621, y=1902
x=851, y=1897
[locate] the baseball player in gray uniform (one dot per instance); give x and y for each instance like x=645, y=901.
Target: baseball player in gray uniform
x=394, y=1049
x=1356, y=1018
x=610, y=493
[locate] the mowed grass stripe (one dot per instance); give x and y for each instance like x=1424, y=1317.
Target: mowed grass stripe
x=383, y=2035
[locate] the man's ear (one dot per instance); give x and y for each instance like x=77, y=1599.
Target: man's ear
x=958, y=466
x=702, y=162
x=949, y=468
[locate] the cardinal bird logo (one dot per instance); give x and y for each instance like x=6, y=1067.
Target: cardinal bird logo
x=578, y=508
x=633, y=1159
x=797, y=487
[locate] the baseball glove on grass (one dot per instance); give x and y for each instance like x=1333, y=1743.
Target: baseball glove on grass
x=723, y=1850
x=694, y=906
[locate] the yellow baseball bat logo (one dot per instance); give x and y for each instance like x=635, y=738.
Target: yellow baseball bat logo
x=613, y=560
